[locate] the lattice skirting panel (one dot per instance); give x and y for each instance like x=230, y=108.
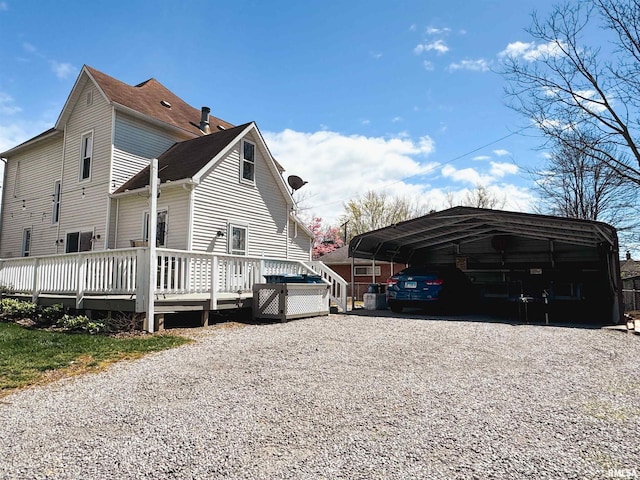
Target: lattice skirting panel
x=286, y=301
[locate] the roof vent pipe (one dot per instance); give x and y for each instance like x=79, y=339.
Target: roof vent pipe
x=204, y=120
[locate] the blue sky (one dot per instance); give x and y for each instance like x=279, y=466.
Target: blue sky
x=400, y=97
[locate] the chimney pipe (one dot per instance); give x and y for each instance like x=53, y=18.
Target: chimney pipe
x=204, y=120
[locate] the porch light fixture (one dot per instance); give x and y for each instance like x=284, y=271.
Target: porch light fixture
x=24, y=206
x=219, y=233
x=82, y=192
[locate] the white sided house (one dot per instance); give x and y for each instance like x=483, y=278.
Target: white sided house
x=77, y=202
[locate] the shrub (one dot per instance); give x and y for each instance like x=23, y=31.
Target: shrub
x=48, y=316
x=12, y=309
x=80, y=323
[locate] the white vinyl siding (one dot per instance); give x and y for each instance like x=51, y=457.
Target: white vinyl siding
x=133, y=209
x=220, y=199
x=84, y=204
x=299, y=243
x=28, y=178
x=135, y=144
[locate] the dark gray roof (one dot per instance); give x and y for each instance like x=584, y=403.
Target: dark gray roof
x=185, y=159
x=402, y=241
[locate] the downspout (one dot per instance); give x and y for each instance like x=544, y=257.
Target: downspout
x=4, y=182
x=64, y=156
x=107, y=230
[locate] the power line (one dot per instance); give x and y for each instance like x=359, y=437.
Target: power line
x=433, y=168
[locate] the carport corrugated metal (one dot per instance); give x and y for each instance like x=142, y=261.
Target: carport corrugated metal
x=498, y=240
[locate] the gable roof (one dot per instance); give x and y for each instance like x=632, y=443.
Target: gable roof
x=185, y=159
x=145, y=98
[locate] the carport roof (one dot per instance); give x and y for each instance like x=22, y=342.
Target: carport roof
x=458, y=225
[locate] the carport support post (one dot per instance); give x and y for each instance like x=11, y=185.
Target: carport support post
x=153, y=262
x=353, y=283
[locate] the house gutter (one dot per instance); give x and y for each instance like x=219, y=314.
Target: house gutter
x=145, y=189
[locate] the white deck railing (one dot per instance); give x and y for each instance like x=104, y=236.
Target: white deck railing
x=126, y=272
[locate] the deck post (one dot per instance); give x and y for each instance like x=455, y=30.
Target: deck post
x=81, y=280
x=34, y=289
x=153, y=261
x=214, y=282
x=142, y=277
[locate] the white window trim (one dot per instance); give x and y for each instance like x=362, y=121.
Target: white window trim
x=87, y=134
x=57, y=193
x=145, y=224
x=230, y=227
x=26, y=252
x=242, y=161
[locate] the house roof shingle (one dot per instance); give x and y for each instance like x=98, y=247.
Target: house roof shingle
x=185, y=159
x=146, y=98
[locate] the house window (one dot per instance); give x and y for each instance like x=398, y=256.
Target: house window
x=26, y=242
x=78, y=242
x=161, y=228
x=89, y=97
x=86, y=155
x=366, y=271
x=248, y=164
x=237, y=240
x=55, y=209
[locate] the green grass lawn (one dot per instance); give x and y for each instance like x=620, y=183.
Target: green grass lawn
x=29, y=356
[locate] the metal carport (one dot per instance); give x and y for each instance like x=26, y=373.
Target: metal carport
x=570, y=264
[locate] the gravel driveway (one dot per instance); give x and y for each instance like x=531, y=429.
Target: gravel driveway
x=351, y=397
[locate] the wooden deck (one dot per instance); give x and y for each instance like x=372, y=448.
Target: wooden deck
x=150, y=280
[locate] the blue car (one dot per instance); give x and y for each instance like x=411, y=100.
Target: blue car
x=446, y=288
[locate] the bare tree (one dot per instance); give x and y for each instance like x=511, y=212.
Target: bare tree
x=567, y=87
x=479, y=197
x=374, y=210
x=575, y=183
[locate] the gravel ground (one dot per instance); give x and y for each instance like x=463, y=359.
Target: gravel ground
x=351, y=397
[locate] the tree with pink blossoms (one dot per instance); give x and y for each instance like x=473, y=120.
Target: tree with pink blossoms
x=325, y=238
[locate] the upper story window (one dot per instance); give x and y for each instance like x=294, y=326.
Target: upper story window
x=86, y=154
x=55, y=209
x=248, y=161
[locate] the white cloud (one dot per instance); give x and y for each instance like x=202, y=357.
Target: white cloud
x=7, y=106
x=365, y=122
x=530, y=51
x=396, y=119
x=62, y=70
x=480, y=65
x=413, y=27
x=466, y=175
x=501, y=169
x=339, y=167
x=428, y=65
x=438, y=46
x=482, y=157
x=375, y=55
x=501, y=152
x=438, y=31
